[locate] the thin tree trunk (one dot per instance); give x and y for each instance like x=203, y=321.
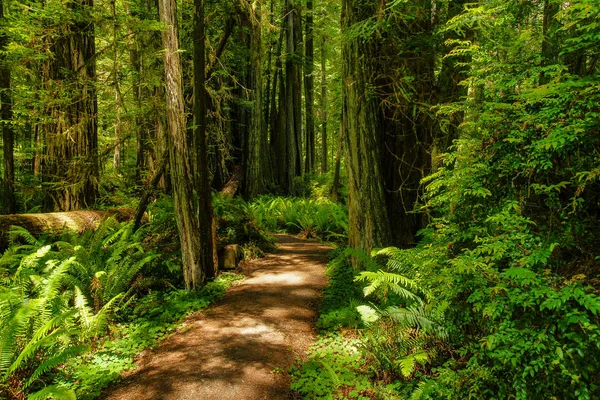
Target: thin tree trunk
x=179, y=154
x=297, y=86
x=335, y=186
x=137, y=43
x=149, y=191
x=118, y=145
x=323, y=105
x=288, y=108
x=277, y=115
x=309, y=89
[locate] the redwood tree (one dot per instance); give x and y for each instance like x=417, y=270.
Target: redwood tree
x=5, y=118
x=179, y=153
x=70, y=171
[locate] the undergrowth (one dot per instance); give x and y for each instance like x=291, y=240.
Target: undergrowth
x=145, y=323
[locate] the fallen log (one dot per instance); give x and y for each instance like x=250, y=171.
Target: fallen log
x=58, y=222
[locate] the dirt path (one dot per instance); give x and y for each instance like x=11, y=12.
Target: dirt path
x=242, y=347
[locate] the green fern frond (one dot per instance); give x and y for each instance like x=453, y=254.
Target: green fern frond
x=414, y=317
x=39, y=339
x=423, y=389
x=55, y=392
x=57, y=359
x=99, y=321
x=384, y=282
x=17, y=233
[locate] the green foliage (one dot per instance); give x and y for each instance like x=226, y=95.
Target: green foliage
x=45, y=298
x=238, y=225
x=511, y=250
x=398, y=330
x=310, y=218
x=332, y=370
x=342, y=295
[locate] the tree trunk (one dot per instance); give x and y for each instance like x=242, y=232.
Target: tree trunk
x=369, y=225
x=297, y=86
x=7, y=131
x=288, y=108
x=70, y=171
x=179, y=154
x=324, y=105
x=335, y=186
x=257, y=157
x=278, y=114
x=207, y=250
x=309, y=89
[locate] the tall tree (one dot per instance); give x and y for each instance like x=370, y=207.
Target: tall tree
x=256, y=162
x=206, y=250
x=6, y=122
x=182, y=174
x=324, y=105
x=70, y=172
x=387, y=94
x=309, y=88
x=369, y=225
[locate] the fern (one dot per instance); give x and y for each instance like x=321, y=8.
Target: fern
x=45, y=312
x=382, y=283
x=55, y=360
x=424, y=388
x=53, y=392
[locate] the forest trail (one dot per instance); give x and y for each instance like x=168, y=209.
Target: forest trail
x=242, y=347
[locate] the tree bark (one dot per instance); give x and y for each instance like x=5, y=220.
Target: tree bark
x=324, y=105
x=335, y=186
x=309, y=89
x=369, y=225
x=288, y=107
x=207, y=250
x=6, y=117
x=257, y=157
x=179, y=154
x=70, y=173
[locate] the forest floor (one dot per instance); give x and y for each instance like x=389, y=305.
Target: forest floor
x=242, y=347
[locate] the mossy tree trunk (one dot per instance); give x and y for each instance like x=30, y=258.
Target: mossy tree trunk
x=324, y=149
x=388, y=90
x=70, y=171
x=257, y=160
x=6, y=117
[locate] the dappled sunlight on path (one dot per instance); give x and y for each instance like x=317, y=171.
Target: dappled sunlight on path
x=243, y=347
